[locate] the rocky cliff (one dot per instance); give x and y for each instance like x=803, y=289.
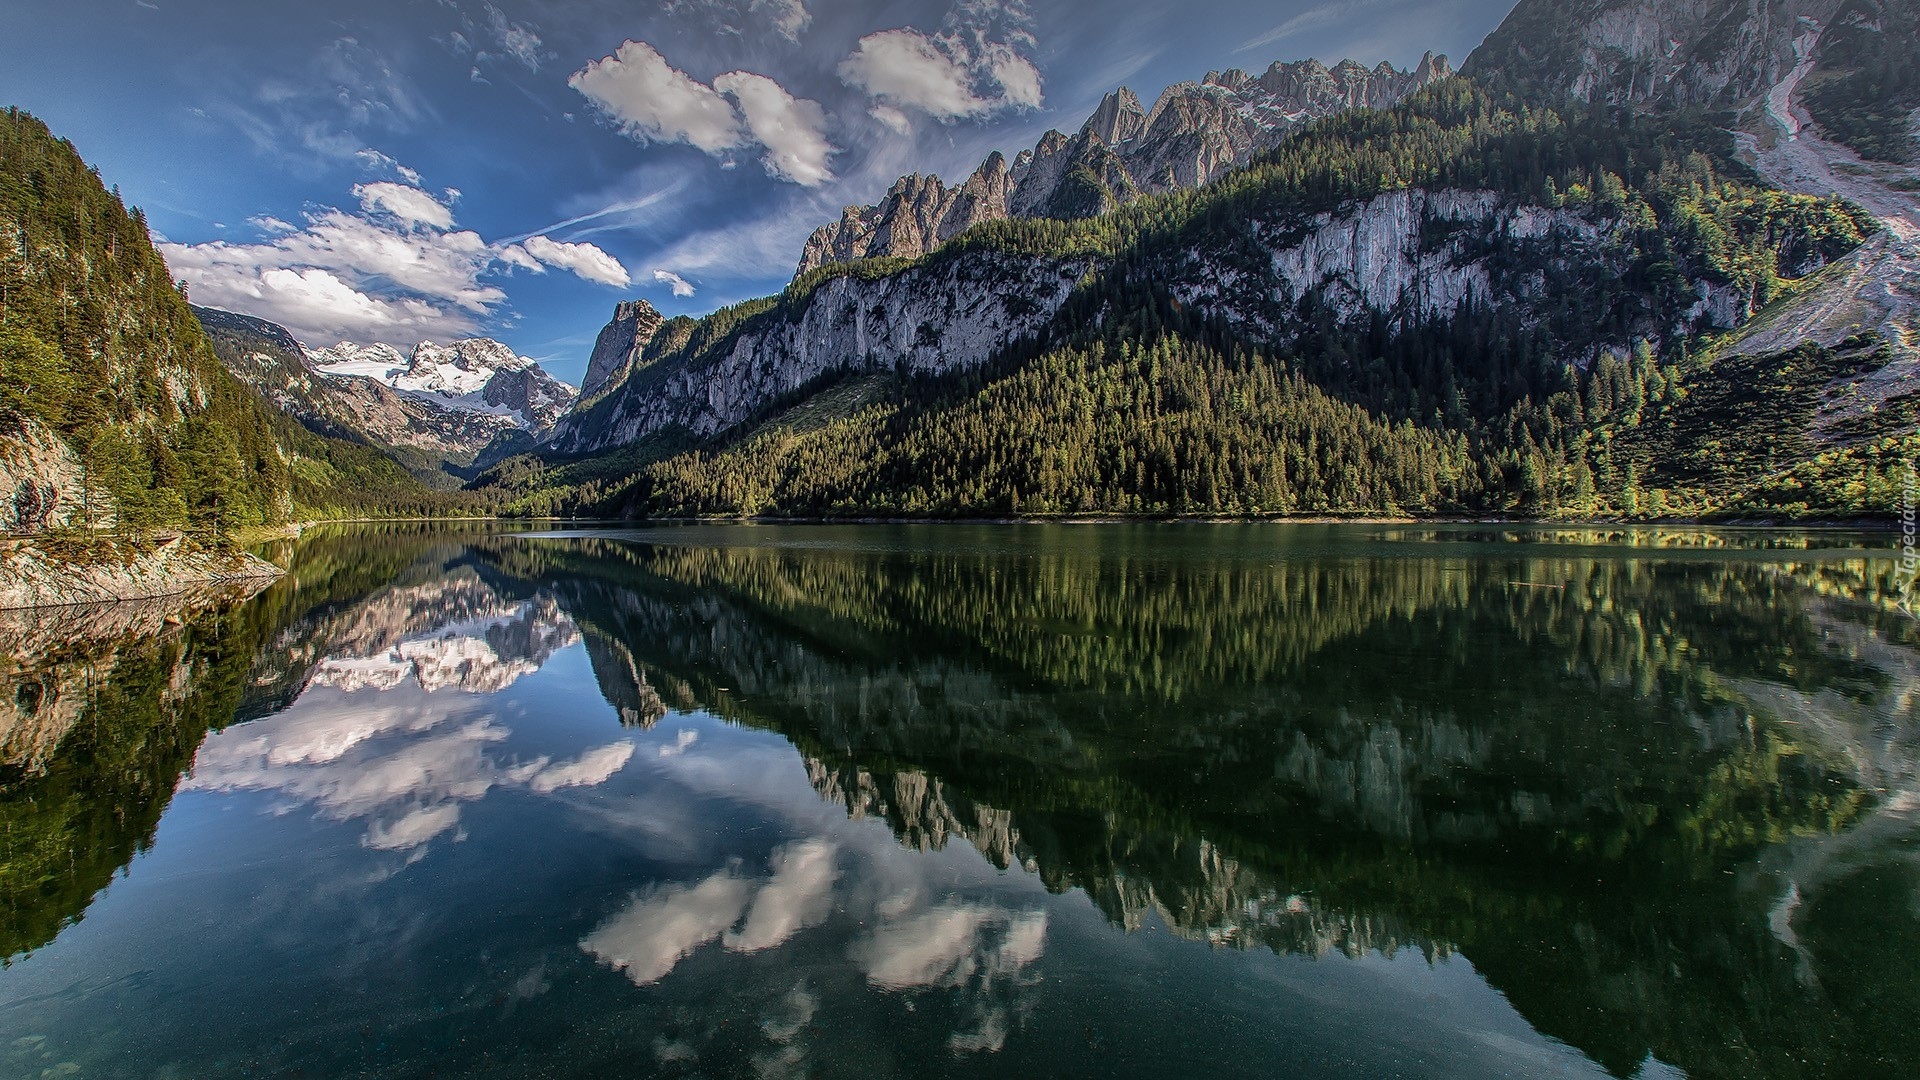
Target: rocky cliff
x=955, y=314
x=43, y=483
x=1675, y=52
x=36, y=573
x=1192, y=134
x=1404, y=255
x=620, y=344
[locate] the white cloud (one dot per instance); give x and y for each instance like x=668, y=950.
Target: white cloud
x=687, y=737
x=396, y=271
x=377, y=160
x=414, y=828
x=591, y=769
x=892, y=119
x=586, y=260
x=653, y=101
x=975, y=66
x=657, y=931
x=906, y=67
x=409, y=204
x=650, y=100
x=309, y=297
x=515, y=255
x=681, y=287
x=799, y=896
x=1019, y=80
x=792, y=129
x=514, y=39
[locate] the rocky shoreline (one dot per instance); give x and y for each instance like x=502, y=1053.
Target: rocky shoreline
x=39, y=572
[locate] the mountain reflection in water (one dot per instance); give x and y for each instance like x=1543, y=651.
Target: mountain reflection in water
x=1540, y=803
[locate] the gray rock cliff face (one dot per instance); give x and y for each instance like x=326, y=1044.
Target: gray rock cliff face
x=930, y=319
x=1676, y=52
x=1193, y=133
x=619, y=345
x=43, y=483
x=1380, y=255
x=1404, y=254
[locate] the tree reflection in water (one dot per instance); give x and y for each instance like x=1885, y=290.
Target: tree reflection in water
x=1661, y=795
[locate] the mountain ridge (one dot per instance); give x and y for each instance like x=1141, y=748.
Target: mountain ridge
x=1194, y=132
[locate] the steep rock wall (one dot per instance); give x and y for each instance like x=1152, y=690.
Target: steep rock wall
x=954, y=314
x=1407, y=255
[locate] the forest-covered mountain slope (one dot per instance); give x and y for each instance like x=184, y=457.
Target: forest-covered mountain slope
x=114, y=409
x=1469, y=303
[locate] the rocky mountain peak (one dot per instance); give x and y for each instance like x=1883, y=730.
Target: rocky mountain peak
x=1120, y=117
x=618, y=347
x=1193, y=133
x=472, y=375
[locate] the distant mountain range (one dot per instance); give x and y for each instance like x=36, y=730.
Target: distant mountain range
x=437, y=407
x=469, y=375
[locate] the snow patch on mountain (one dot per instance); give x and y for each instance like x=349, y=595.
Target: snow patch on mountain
x=475, y=375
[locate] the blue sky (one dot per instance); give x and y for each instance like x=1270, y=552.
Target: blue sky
x=393, y=170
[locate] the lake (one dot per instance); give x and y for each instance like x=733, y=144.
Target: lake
x=1095, y=800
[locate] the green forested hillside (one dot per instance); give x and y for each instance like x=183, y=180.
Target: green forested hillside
x=98, y=346
x=1599, y=396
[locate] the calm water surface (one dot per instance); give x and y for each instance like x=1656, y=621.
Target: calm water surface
x=977, y=800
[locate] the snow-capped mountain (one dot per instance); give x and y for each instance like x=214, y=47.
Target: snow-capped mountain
x=488, y=650
x=438, y=409
x=476, y=375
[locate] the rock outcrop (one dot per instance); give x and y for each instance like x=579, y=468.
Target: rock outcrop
x=1193, y=133
x=37, y=573
x=1402, y=254
x=43, y=482
x=617, y=350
